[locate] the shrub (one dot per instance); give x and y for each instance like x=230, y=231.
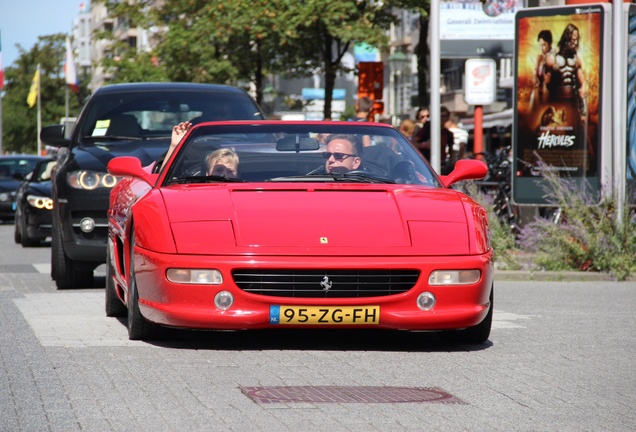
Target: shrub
x=588, y=236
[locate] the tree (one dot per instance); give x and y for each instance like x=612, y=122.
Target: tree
x=422, y=52
x=19, y=122
x=245, y=40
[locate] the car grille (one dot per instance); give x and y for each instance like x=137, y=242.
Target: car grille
x=325, y=283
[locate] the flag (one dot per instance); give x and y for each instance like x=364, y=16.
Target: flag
x=69, y=68
x=1, y=69
x=35, y=89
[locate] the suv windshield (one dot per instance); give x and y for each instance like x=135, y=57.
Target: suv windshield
x=150, y=115
x=12, y=166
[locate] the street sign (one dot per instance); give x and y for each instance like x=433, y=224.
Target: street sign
x=480, y=81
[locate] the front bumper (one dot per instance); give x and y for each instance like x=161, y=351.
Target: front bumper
x=80, y=245
x=192, y=306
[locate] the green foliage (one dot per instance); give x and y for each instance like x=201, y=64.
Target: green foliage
x=588, y=236
x=19, y=122
x=244, y=41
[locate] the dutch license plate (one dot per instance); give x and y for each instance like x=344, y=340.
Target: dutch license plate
x=324, y=315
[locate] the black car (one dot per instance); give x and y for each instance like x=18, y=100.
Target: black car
x=13, y=169
x=34, y=205
x=122, y=119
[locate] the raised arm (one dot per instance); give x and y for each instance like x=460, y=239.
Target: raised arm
x=177, y=134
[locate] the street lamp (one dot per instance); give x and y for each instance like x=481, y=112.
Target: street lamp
x=398, y=62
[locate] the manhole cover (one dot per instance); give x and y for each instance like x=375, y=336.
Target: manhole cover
x=343, y=394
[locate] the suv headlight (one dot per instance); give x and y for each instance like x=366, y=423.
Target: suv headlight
x=40, y=202
x=90, y=180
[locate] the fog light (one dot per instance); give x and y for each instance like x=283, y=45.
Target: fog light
x=426, y=301
x=454, y=277
x=87, y=225
x=194, y=276
x=223, y=300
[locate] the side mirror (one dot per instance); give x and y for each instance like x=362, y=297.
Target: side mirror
x=465, y=169
x=54, y=135
x=129, y=166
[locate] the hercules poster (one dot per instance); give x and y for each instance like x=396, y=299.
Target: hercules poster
x=559, y=62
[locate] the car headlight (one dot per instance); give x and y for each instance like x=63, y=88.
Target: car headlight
x=5, y=196
x=454, y=277
x=194, y=276
x=90, y=180
x=40, y=202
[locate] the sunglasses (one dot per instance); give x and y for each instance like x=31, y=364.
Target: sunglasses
x=424, y=116
x=337, y=156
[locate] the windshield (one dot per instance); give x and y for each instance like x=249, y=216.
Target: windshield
x=152, y=114
x=298, y=152
x=12, y=166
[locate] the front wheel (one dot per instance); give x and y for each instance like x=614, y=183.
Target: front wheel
x=113, y=305
x=476, y=334
x=17, y=235
x=25, y=240
x=63, y=268
x=138, y=327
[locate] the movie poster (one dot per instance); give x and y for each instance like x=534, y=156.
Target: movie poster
x=559, y=53
x=631, y=106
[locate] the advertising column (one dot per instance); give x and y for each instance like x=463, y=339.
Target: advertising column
x=559, y=82
x=631, y=106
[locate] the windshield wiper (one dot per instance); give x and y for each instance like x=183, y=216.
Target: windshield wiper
x=205, y=179
x=112, y=138
x=342, y=177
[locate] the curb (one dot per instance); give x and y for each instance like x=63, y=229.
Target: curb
x=554, y=276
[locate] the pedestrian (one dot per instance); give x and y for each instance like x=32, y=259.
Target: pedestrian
x=364, y=106
x=460, y=135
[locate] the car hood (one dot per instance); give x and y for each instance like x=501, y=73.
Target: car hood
x=9, y=185
x=96, y=157
x=316, y=220
x=40, y=188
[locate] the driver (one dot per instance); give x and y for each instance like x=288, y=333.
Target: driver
x=222, y=162
x=341, y=154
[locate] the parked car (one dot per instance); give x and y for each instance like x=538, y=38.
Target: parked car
x=122, y=119
x=34, y=205
x=308, y=230
x=13, y=169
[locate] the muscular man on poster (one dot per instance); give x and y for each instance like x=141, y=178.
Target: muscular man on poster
x=563, y=74
x=567, y=92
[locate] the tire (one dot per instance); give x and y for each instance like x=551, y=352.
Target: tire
x=473, y=335
x=25, y=240
x=113, y=305
x=17, y=235
x=138, y=327
x=63, y=268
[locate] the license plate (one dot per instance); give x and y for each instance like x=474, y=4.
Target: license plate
x=316, y=315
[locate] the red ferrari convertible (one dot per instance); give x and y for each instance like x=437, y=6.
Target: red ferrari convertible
x=275, y=224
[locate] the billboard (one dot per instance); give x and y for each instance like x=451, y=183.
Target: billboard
x=474, y=28
x=560, y=89
x=631, y=106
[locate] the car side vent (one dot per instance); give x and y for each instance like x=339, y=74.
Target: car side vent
x=325, y=283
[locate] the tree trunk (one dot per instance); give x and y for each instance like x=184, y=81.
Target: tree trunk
x=423, y=64
x=258, y=76
x=330, y=74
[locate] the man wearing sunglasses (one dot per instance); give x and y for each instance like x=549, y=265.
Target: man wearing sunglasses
x=341, y=154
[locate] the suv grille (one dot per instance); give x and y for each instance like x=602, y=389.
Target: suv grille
x=325, y=283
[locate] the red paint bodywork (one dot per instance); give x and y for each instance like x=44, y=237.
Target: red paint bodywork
x=279, y=226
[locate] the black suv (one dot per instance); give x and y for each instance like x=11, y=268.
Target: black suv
x=122, y=119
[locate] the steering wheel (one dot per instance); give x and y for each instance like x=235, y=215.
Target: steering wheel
x=193, y=171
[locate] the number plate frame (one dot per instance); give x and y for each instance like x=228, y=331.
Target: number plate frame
x=324, y=315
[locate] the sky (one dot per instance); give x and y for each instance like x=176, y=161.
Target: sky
x=22, y=21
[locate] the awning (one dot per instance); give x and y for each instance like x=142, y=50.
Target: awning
x=501, y=119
